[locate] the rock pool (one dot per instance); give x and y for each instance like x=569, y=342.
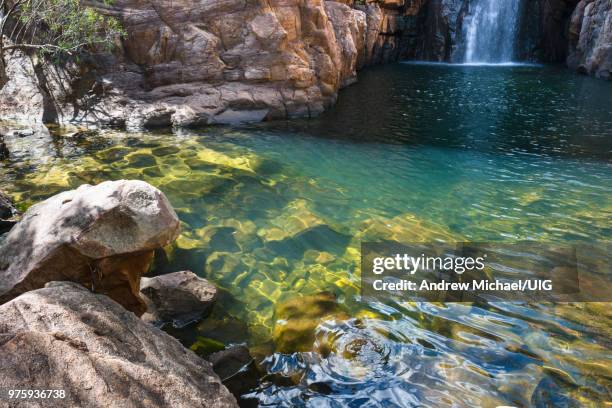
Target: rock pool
x=274, y=214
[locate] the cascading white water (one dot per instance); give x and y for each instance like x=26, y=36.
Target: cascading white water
x=491, y=31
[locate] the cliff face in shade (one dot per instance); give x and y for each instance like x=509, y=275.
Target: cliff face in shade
x=198, y=62
x=543, y=35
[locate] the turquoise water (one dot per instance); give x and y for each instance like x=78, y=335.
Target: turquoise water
x=274, y=214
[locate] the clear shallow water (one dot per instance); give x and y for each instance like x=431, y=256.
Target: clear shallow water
x=274, y=214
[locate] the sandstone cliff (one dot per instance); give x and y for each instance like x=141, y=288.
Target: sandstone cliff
x=590, y=34
x=198, y=62
x=194, y=62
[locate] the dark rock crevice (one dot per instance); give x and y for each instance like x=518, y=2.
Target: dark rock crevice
x=543, y=30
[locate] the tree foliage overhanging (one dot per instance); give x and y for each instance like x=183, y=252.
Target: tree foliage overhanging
x=56, y=26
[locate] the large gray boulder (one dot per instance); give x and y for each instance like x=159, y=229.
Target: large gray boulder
x=65, y=337
x=178, y=297
x=101, y=236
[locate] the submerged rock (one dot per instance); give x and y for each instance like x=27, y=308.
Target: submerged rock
x=298, y=317
x=236, y=368
x=296, y=217
x=9, y=215
x=114, y=359
x=101, y=236
x=179, y=297
x=403, y=228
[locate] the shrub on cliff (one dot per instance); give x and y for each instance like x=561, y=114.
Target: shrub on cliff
x=54, y=27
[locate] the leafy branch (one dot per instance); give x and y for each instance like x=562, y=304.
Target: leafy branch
x=55, y=27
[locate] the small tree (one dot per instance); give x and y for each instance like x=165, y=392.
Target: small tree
x=54, y=27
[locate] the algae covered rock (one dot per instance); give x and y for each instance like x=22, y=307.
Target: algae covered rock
x=404, y=228
x=295, y=218
x=299, y=229
x=298, y=317
x=65, y=337
x=101, y=236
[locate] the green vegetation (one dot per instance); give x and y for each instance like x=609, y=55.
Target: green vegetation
x=55, y=27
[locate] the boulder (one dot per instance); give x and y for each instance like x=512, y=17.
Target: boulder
x=64, y=337
x=179, y=297
x=101, y=236
x=8, y=213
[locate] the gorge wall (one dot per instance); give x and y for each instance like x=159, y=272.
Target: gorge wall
x=197, y=62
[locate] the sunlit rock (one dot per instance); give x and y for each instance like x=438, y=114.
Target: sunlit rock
x=404, y=228
x=64, y=337
x=242, y=162
x=100, y=236
x=590, y=38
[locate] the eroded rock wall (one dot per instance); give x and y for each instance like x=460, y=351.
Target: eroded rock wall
x=590, y=35
x=194, y=62
x=197, y=62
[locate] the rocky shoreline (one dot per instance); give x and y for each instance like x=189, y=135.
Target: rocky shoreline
x=231, y=61
x=72, y=290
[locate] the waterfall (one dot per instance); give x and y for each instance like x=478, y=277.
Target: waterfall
x=491, y=29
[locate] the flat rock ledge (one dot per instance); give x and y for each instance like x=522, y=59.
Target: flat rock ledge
x=101, y=236
x=178, y=297
x=65, y=337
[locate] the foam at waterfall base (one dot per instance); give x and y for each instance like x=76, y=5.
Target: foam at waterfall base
x=475, y=64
